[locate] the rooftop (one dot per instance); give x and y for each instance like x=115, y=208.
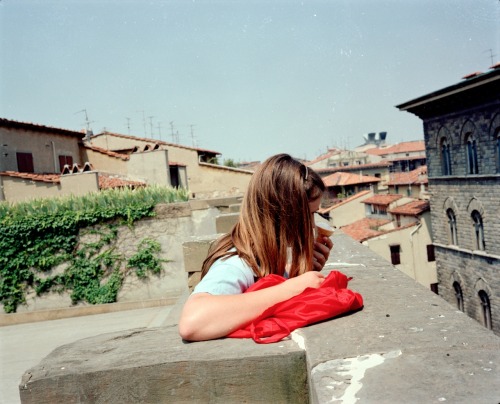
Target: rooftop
x=403, y=147
x=343, y=179
x=417, y=176
x=413, y=208
x=383, y=199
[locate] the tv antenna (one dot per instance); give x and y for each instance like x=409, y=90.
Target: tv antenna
x=87, y=121
x=192, y=135
x=128, y=124
x=492, y=56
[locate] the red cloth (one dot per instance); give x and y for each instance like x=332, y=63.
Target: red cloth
x=331, y=299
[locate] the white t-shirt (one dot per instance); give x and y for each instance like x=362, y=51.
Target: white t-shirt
x=226, y=276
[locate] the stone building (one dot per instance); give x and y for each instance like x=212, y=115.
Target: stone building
x=462, y=139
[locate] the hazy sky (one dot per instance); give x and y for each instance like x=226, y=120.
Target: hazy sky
x=254, y=78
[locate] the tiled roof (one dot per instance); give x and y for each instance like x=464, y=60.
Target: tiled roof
x=383, y=199
x=403, y=147
x=356, y=167
x=344, y=201
x=105, y=181
x=54, y=178
x=411, y=209
x=155, y=141
x=341, y=179
x=330, y=153
x=8, y=123
x=417, y=176
x=124, y=157
x=365, y=228
x=108, y=181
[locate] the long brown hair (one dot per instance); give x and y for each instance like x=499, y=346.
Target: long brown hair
x=274, y=216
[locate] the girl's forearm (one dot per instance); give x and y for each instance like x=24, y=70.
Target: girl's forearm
x=207, y=316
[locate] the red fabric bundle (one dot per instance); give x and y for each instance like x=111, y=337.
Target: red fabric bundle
x=331, y=299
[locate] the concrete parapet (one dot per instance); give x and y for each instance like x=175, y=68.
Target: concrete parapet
x=153, y=365
x=224, y=223
x=406, y=345
x=195, y=251
x=224, y=204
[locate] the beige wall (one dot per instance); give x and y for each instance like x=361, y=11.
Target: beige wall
x=349, y=212
x=413, y=242
x=79, y=183
x=150, y=166
x=45, y=148
x=224, y=180
x=105, y=163
x=18, y=189
x=204, y=180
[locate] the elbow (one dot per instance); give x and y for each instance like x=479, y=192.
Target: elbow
x=191, y=321
x=187, y=328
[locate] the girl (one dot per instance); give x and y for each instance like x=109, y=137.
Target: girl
x=274, y=235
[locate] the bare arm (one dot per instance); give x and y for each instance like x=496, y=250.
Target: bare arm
x=207, y=316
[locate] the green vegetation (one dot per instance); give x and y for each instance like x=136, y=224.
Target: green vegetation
x=230, y=163
x=40, y=237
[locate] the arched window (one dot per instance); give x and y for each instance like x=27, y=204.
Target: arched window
x=486, y=309
x=452, y=224
x=477, y=221
x=445, y=158
x=459, y=295
x=471, y=150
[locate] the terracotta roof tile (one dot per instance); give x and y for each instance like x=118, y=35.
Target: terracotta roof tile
x=330, y=153
x=357, y=167
x=159, y=142
x=417, y=176
x=411, y=209
x=383, y=199
x=344, y=201
x=124, y=157
x=8, y=123
x=54, y=178
x=108, y=181
x=403, y=147
x=342, y=179
x=364, y=229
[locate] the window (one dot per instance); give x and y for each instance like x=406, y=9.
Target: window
x=408, y=191
x=174, y=177
x=452, y=225
x=471, y=148
x=63, y=160
x=498, y=151
x=398, y=220
x=486, y=308
x=430, y=253
x=395, y=254
x=435, y=288
x=478, y=230
x=459, y=296
x=445, y=158
x=25, y=163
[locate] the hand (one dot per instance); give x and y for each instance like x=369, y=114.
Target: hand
x=321, y=252
x=309, y=279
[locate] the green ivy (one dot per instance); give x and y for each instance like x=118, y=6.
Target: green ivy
x=39, y=235
x=145, y=259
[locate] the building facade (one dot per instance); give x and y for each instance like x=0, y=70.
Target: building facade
x=462, y=139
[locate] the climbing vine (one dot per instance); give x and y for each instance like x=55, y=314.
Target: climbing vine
x=40, y=250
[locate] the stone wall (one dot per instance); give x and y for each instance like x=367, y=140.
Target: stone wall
x=172, y=225
x=474, y=270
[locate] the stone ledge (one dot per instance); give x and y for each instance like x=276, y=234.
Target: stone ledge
x=407, y=344
x=83, y=310
x=153, y=365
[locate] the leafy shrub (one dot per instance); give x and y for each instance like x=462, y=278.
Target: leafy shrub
x=38, y=235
